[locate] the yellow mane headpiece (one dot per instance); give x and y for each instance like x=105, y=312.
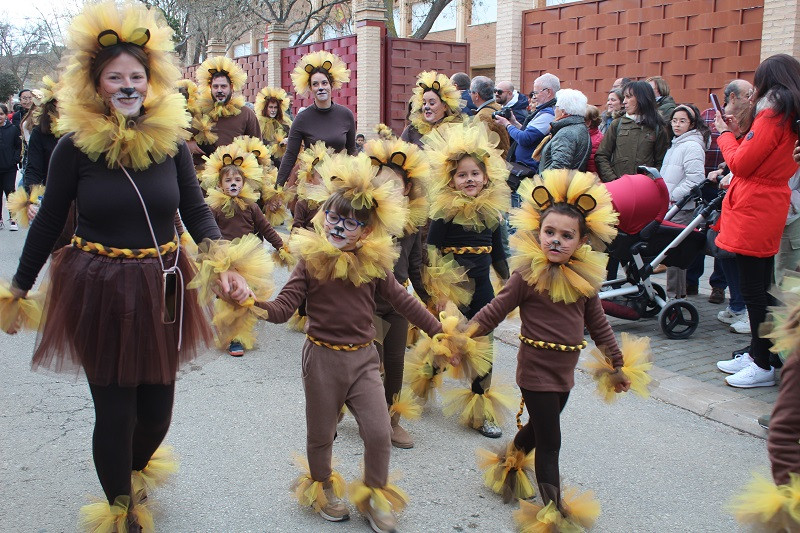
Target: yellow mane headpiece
x=582, y=190
x=384, y=131
x=122, y=141
x=232, y=154
x=192, y=91
x=414, y=163
x=356, y=177
x=254, y=145
x=319, y=61
x=47, y=94
x=308, y=160
x=445, y=146
x=430, y=80
x=268, y=93
x=223, y=65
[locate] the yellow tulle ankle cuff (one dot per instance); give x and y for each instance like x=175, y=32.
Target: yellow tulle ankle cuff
x=405, y=405
x=508, y=472
x=580, y=511
x=636, y=356
x=311, y=493
x=389, y=498
x=159, y=468
x=100, y=517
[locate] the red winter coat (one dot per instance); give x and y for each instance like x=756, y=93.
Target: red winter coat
x=757, y=202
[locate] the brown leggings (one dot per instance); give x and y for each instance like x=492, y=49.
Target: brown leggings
x=543, y=432
x=130, y=423
x=334, y=378
x=393, y=353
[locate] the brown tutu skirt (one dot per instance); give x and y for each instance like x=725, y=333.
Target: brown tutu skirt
x=104, y=315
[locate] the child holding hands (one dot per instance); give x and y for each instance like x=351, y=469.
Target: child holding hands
x=232, y=178
x=555, y=286
x=345, y=261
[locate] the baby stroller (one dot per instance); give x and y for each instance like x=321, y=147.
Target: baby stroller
x=646, y=239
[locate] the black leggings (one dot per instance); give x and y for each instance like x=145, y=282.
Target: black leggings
x=393, y=353
x=543, y=432
x=756, y=275
x=130, y=423
x=8, y=182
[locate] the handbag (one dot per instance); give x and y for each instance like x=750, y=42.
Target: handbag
x=516, y=173
x=713, y=250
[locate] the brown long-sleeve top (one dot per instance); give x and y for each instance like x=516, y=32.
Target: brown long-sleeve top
x=245, y=123
x=408, y=267
x=244, y=221
x=783, y=443
x=303, y=214
x=341, y=313
x=546, y=320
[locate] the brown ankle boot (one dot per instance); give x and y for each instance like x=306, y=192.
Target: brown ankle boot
x=400, y=437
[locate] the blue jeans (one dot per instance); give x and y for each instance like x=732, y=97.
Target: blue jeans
x=731, y=270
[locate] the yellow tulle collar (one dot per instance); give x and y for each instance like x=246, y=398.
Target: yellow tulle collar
x=483, y=211
x=374, y=259
x=137, y=143
x=582, y=276
x=269, y=126
x=216, y=111
x=417, y=215
x=425, y=127
x=217, y=199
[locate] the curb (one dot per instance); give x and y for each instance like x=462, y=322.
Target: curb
x=709, y=401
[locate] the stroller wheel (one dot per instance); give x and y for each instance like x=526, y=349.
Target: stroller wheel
x=653, y=308
x=679, y=319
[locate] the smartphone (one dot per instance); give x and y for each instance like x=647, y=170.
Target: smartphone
x=797, y=127
x=716, y=104
x=170, y=291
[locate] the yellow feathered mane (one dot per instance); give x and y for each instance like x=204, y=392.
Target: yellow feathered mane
x=321, y=60
x=222, y=64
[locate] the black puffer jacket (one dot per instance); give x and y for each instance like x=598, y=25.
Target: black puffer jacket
x=10, y=146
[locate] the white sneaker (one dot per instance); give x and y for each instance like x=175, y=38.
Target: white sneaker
x=732, y=366
x=12, y=226
x=742, y=326
x=752, y=376
x=729, y=317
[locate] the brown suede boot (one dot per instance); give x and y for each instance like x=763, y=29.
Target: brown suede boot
x=400, y=437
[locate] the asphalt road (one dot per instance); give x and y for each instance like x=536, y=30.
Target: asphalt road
x=653, y=467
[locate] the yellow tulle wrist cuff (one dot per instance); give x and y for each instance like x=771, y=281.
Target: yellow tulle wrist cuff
x=445, y=280
x=468, y=356
x=420, y=374
x=18, y=202
x=636, y=357
x=27, y=312
x=767, y=506
x=245, y=255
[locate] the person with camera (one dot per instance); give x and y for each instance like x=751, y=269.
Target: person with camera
x=482, y=92
x=506, y=96
x=527, y=138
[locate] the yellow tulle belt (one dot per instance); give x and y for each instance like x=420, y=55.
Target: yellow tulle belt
x=460, y=250
x=127, y=253
x=545, y=345
x=337, y=347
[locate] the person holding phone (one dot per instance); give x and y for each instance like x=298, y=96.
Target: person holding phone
x=756, y=205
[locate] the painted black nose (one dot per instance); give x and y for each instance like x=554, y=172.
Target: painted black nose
x=128, y=90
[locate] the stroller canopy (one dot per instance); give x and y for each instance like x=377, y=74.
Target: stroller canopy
x=639, y=199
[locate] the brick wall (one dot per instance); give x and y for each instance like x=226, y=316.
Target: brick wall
x=255, y=66
x=696, y=45
x=345, y=48
x=405, y=59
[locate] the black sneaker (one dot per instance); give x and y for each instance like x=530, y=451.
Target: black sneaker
x=741, y=351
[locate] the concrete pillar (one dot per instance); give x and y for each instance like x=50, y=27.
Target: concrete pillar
x=508, y=42
x=215, y=47
x=462, y=20
x=404, y=26
x=780, y=32
x=370, y=17
x=277, y=40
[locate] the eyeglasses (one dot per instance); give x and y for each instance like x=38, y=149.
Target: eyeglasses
x=535, y=93
x=350, y=224
x=680, y=121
